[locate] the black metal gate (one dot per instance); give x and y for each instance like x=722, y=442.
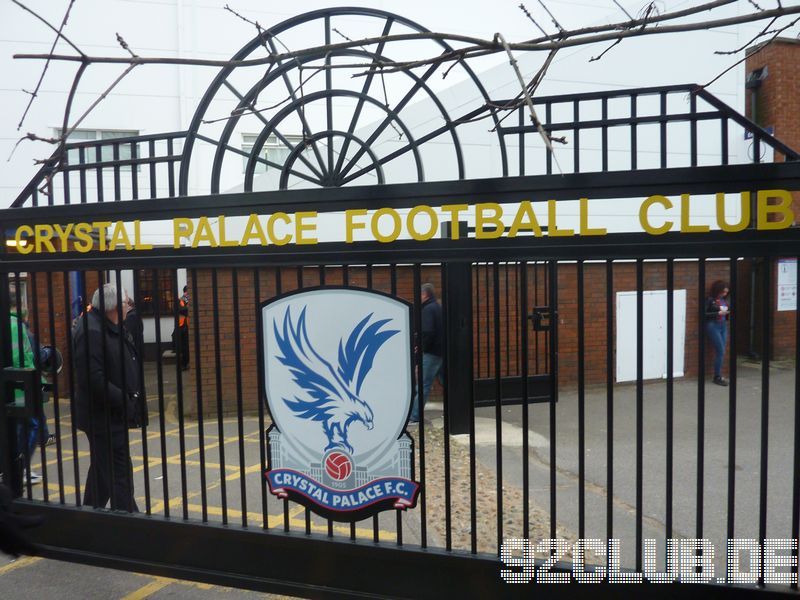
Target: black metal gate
x=530, y=321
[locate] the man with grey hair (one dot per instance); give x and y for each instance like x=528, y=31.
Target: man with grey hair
x=432, y=347
x=108, y=397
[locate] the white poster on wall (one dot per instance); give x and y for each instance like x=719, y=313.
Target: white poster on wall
x=787, y=284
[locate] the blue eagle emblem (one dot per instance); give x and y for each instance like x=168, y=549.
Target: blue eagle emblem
x=334, y=391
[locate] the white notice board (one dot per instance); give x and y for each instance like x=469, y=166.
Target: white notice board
x=787, y=284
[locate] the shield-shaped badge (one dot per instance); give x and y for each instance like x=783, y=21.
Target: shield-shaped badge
x=337, y=372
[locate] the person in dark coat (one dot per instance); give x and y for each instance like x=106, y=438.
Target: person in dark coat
x=108, y=399
x=135, y=328
x=432, y=347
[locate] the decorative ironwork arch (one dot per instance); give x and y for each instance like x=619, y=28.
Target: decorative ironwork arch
x=328, y=170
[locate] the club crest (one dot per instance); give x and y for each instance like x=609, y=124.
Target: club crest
x=337, y=372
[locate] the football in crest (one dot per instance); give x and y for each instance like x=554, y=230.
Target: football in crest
x=338, y=465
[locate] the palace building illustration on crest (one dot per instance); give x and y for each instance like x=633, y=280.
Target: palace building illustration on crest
x=337, y=368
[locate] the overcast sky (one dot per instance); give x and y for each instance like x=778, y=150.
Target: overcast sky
x=206, y=30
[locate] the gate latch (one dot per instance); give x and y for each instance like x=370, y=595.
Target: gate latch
x=541, y=318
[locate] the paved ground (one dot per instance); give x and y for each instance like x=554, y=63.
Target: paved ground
x=685, y=493
x=161, y=476
x=33, y=577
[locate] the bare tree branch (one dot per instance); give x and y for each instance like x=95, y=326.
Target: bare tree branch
x=622, y=8
x=603, y=53
x=479, y=47
x=124, y=45
x=756, y=51
x=99, y=99
x=763, y=32
x=528, y=100
x=561, y=30
x=317, y=59
x=59, y=33
x=524, y=9
x=241, y=112
x=35, y=91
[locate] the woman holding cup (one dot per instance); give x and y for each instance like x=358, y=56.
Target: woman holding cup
x=718, y=313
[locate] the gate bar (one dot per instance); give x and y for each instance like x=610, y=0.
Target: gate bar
x=201, y=430
x=160, y=377
x=766, y=326
x=732, y=378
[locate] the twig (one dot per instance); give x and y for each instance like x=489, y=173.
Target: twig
x=528, y=100
x=531, y=88
x=603, y=53
x=100, y=98
x=35, y=91
x=32, y=137
x=125, y=46
x=59, y=33
x=646, y=12
x=756, y=51
x=622, y=8
x=524, y=9
x=561, y=30
x=480, y=47
x=253, y=111
x=757, y=7
x=764, y=32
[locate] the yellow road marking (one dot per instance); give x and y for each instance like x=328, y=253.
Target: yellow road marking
x=176, y=460
x=194, y=584
x=20, y=563
x=53, y=488
x=151, y=588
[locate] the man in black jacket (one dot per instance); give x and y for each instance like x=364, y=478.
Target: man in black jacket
x=108, y=398
x=432, y=347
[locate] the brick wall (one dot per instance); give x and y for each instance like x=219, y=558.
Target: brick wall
x=488, y=323
x=778, y=101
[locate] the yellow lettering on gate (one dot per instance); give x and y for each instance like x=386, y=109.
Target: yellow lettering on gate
x=83, y=234
x=525, y=220
x=784, y=208
x=225, y=243
x=137, y=238
x=181, y=228
x=278, y=241
x=63, y=235
x=552, y=226
x=350, y=225
x=687, y=227
x=120, y=236
x=584, y=218
x=645, y=223
x=44, y=234
x=410, y=225
x=454, y=210
x=301, y=228
x=488, y=213
x=396, y=225
x=23, y=247
x=204, y=233
x=101, y=227
x=253, y=230
x=744, y=199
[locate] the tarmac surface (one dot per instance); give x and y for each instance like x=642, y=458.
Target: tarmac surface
x=230, y=460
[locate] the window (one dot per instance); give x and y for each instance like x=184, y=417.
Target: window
x=106, y=151
x=274, y=150
x=145, y=292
